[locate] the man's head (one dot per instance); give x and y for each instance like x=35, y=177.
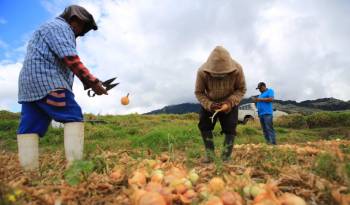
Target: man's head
x=220, y=63
x=261, y=87
x=79, y=19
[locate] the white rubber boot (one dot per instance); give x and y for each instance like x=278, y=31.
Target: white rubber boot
x=73, y=141
x=28, y=151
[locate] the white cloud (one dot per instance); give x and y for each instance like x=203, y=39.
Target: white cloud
x=155, y=48
x=9, y=85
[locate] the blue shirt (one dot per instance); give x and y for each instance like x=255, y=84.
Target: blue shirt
x=265, y=107
x=43, y=69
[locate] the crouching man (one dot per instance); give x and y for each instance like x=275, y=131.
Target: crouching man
x=45, y=85
x=221, y=85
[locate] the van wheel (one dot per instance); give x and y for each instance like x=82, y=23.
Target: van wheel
x=247, y=119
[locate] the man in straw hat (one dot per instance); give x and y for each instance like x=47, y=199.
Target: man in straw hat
x=46, y=81
x=220, y=85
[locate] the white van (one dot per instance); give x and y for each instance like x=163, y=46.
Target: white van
x=247, y=112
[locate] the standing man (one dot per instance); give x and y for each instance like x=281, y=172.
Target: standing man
x=45, y=85
x=265, y=112
x=220, y=85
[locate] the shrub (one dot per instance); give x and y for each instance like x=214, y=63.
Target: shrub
x=249, y=131
x=6, y=115
x=8, y=125
x=292, y=121
x=328, y=119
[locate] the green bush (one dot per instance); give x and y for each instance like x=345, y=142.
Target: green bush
x=328, y=119
x=8, y=125
x=249, y=131
x=6, y=115
x=296, y=121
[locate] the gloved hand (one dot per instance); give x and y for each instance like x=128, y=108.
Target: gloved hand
x=98, y=88
x=215, y=106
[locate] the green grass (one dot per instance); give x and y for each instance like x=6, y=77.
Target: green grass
x=147, y=135
x=158, y=132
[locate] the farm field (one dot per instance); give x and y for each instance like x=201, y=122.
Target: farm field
x=156, y=159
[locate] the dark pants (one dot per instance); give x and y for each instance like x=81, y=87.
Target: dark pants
x=228, y=121
x=266, y=122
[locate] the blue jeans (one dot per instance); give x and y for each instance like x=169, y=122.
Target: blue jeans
x=266, y=122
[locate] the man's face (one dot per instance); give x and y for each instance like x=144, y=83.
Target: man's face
x=78, y=27
x=262, y=88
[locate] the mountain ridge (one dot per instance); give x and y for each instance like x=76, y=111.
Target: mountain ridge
x=289, y=106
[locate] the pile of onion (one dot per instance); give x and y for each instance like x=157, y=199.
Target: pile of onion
x=160, y=182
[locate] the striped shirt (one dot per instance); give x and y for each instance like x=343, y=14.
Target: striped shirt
x=43, y=69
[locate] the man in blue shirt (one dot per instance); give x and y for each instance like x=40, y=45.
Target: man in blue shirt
x=265, y=112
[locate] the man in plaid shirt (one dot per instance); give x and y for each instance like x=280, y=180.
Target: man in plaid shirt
x=46, y=81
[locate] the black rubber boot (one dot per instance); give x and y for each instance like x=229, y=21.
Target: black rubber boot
x=228, y=147
x=207, y=137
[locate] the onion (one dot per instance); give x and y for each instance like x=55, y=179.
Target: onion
x=231, y=198
x=157, y=176
x=153, y=187
x=291, y=199
x=266, y=198
x=167, y=195
x=135, y=197
x=193, y=176
x=203, y=191
x=181, y=188
x=125, y=100
x=216, y=185
x=138, y=179
x=246, y=191
x=164, y=157
x=255, y=190
x=187, y=197
x=187, y=183
x=151, y=198
x=116, y=175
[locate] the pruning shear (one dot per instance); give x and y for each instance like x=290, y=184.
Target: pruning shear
x=107, y=84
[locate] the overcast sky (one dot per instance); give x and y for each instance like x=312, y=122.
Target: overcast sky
x=300, y=49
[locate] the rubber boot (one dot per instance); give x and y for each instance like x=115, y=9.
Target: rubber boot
x=228, y=147
x=207, y=137
x=28, y=151
x=73, y=141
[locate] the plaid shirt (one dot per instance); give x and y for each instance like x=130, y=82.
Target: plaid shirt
x=43, y=69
